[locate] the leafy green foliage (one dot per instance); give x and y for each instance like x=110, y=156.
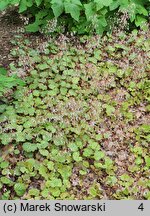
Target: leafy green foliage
x=80, y=124
x=8, y=82
x=79, y=16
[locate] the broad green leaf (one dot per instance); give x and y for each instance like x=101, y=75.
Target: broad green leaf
x=73, y=8
x=34, y=27
x=38, y=2
x=140, y=20
x=141, y=10
x=102, y=21
x=114, y=5
x=100, y=3
x=22, y=6
x=4, y=4
x=89, y=10
x=57, y=7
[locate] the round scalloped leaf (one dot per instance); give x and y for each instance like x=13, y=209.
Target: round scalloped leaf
x=20, y=189
x=29, y=147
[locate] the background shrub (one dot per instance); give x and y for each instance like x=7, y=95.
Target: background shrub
x=81, y=17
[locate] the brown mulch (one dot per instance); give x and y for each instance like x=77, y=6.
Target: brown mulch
x=10, y=22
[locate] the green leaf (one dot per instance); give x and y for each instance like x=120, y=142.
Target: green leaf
x=73, y=7
x=44, y=152
x=147, y=161
x=4, y=164
x=114, y=5
x=4, y=4
x=102, y=21
x=34, y=192
x=75, y=80
x=43, y=66
x=63, y=91
x=43, y=144
x=100, y=3
x=83, y=172
x=97, y=54
x=140, y=20
x=93, y=192
x=20, y=137
x=6, y=138
x=5, y=180
x=33, y=27
x=89, y=10
x=53, y=92
x=76, y=157
x=55, y=192
x=98, y=137
x=50, y=165
x=99, y=155
x=27, y=124
x=109, y=109
x=73, y=147
x=87, y=152
x=145, y=128
x=45, y=193
x=125, y=177
x=59, y=141
x=22, y=6
x=20, y=189
x=3, y=71
x=141, y=10
x=38, y=2
x=57, y=7
x=55, y=182
x=29, y=147
x=43, y=171
x=93, y=145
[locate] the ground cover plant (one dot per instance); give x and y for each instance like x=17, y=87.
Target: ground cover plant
x=80, y=127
